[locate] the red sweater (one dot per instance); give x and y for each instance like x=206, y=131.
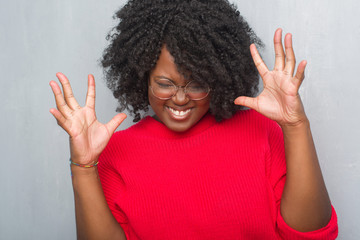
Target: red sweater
x=215, y=181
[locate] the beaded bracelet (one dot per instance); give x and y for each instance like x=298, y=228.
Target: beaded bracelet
x=83, y=165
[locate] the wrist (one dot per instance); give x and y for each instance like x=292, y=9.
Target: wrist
x=83, y=159
x=88, y=165
x=77, y=169
x=297, y=127
x=298, y=122
x=82, y=171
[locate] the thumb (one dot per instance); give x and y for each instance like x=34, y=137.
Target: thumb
x=247, y=102
x=115, y=122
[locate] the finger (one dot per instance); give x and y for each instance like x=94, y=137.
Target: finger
x=290, y=56
x=90, y=96
x=247, y=102
x=115, y=122
x=300, y=73
x=68, y=93
x=279, y=51
x=61, y=120
x=259, y=63
x=59, y=99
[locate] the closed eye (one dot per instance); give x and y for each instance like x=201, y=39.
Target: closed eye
x=163, y=85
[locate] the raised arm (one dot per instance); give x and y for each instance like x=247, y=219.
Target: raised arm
x=88, y=138
x=305, y=204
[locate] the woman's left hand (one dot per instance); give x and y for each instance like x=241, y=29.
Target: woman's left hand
x=279, y=100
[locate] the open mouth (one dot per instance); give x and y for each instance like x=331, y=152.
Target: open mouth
x=178, y=114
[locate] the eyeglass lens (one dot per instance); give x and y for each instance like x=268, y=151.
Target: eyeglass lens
x=165, y=89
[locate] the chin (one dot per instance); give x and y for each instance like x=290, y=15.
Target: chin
x=178, y=127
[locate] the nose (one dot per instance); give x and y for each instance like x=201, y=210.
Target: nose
x=180, y=97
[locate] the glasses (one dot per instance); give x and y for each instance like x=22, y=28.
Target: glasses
x=165, y=89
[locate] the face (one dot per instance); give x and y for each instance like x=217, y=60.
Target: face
x=178, y=113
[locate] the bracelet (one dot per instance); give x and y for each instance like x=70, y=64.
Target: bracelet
x=82, y=165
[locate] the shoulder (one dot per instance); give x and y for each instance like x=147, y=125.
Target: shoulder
x=250, y=119
x=252, y=125
x=122, y=140
x=138, y=129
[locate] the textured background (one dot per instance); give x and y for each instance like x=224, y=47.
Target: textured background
x=41, y=37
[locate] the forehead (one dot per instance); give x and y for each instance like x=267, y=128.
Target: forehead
x=166, y=67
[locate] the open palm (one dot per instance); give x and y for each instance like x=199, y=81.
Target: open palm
x=88, y=137
x=279, y=99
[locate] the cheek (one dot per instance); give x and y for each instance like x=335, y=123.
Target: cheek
x=155, y=103
x=204, y=105
x=151, y=99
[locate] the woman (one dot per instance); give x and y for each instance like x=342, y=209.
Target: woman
x=201, y=168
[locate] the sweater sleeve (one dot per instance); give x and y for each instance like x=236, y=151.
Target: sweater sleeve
x=277, y=178
x=112, y=183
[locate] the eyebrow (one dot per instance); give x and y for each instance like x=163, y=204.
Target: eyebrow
x=163, y=77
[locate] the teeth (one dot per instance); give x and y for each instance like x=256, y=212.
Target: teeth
x=179, y=113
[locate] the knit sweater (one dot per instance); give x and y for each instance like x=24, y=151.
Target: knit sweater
x=215, y=181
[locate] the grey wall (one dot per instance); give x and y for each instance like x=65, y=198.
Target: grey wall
x=40, y=37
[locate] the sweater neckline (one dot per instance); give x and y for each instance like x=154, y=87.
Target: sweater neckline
x=160, y=130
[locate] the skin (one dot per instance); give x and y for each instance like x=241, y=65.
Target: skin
x=305, y=204
x=165, y=67
x=88, y=138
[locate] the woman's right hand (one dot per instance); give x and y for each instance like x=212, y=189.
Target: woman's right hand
x=88, y=137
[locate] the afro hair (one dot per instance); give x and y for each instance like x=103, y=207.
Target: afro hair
x=208, y=39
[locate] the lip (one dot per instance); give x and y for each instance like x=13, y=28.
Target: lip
x=178, y=117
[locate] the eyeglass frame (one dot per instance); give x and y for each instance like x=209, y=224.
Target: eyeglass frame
x=177, y=89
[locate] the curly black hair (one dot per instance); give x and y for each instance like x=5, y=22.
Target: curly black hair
x=208, y=39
